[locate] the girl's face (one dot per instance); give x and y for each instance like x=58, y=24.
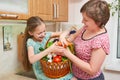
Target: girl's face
x=39, y=32
x=89, y=22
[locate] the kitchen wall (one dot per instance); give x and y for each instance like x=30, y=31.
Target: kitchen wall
x=111, y=66
x=8, y=59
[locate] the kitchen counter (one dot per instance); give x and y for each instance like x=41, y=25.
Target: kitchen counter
x=15, y=77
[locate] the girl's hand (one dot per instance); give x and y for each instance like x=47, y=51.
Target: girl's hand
x=54, y=48
x=62, y=51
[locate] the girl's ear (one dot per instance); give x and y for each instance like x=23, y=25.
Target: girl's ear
x=30, y=33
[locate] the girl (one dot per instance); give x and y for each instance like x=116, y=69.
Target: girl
x=36, y=37
x=91, y=42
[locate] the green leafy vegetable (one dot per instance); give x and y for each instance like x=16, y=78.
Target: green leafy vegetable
x=71, y=47
x=45, y=58
x=41, y=49
x=49, y=44
x=64, y=58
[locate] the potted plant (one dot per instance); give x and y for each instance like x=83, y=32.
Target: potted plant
x=115, y=6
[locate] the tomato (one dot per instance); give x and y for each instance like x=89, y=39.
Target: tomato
x=60, y=44
x=57, y=59
x=59, y=56
x=64, y=46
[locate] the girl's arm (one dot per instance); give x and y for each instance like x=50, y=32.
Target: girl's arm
x=65, y=35
x=56, y=34
x=36, y=57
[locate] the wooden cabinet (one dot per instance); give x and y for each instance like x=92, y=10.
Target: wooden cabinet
x=61, y=13
x=42, y=8
x=48, y=10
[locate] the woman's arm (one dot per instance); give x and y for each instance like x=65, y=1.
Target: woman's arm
x=96, y=61
x=66, y=37
x=91, y=67
x=71, y=37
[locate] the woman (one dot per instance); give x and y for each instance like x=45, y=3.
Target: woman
x=91, y=42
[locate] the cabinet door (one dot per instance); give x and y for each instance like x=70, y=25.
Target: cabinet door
x=12, y=9
x=41, y=8
x=49, y=10
x=61, y=10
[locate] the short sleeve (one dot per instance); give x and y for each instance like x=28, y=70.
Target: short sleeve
x=48, y=35
x=30, y=42
x=102, y=42
x=96, y=43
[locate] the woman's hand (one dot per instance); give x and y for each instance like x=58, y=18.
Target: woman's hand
x=63, y=38
x=54, y=48
x=62, y=51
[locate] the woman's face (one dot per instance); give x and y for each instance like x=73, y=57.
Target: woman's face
x=39, y=32
x=89, y=22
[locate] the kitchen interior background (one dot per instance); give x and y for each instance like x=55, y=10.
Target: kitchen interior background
x=9, y=61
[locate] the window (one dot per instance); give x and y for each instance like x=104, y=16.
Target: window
x=113, y=59
x=118, y=40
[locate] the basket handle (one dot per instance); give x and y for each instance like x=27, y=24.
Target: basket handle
x=50, y=39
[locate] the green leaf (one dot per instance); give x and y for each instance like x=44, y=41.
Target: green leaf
x=71, y=47
x=45, y=58
x=49, y=44
x=64, y=58
x=41, y=49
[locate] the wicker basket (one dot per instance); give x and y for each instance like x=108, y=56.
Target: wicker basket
x=55, y=70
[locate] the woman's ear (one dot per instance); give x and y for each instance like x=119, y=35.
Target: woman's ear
x=30, y=33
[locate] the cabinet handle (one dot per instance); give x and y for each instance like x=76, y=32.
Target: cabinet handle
x=8, y=16
x=54, y=11
x=58, y=8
